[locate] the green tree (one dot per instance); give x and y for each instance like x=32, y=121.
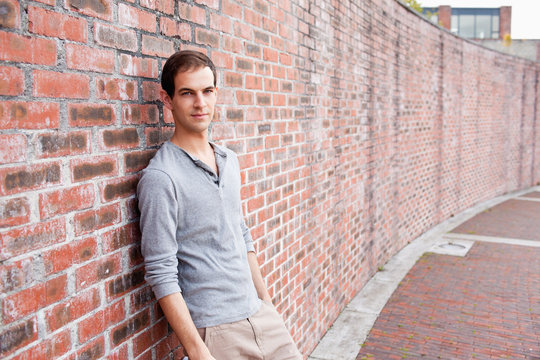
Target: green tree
x=413, y=4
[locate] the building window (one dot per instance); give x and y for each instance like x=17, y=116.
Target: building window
x=475, y=23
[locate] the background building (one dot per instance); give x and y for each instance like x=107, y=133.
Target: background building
x=490, y=26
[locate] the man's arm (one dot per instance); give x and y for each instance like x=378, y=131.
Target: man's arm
x=177, y=314
x=258, y=280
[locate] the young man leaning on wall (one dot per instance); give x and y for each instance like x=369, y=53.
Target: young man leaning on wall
x=198, y=252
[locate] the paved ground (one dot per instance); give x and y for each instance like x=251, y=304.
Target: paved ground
x=482, y=304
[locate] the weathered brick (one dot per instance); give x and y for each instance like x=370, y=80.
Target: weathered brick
x=61, y=85
x=176, y=29
x=124, y=138
x=13, y=148
x=118, y=238
x=165, y=6
x=92, y=220
x=207, y=37
x=24, y=178
x=151, y=91
x=11, y=80
x=135, y=161
x=64, y=256
x=30, y=300
x=125, y=283
x=116, y=89
x=31, y=237
x=95, y=349
x=95, y=324
x=90, y=115
x=152, y=45
x=96, y=167
x=58, y=144
x=81, y=57
x=133, y=17
x=137, y=66
x=119, y=188
x=53, y=24
x=10, y=15
x=98, y=270
x=130, y=327
x=139, y=114
x=29, y=115
x=72, y=309
x=115, y=37
x=192, y=13
x=65, y=200
x=154, y=136
x=16, y=275
x=97, y=8
x=16, y=336
x=25, y=49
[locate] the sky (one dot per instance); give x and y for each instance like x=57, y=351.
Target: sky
x=525, y=13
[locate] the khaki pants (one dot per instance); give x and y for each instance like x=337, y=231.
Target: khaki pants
x=262, y=336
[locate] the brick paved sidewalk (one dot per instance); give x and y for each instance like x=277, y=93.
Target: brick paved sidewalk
x=485, y=305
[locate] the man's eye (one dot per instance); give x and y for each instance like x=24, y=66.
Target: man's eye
x=208, y=91
x=185, y=93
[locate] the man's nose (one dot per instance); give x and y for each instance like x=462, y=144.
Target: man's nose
x=199, y=99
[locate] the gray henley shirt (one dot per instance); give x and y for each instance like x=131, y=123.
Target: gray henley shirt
x=194, y=238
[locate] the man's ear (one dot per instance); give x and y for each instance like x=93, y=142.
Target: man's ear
x=165, y=99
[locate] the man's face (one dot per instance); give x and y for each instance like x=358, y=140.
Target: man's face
x=194, y=99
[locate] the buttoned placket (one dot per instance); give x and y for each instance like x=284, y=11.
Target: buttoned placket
x=221, y=161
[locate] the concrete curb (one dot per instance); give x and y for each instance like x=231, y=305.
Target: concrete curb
x=344, y=339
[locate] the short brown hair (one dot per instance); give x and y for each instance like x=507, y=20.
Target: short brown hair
x=184, y=60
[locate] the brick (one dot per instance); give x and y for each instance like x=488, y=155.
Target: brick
x=115, y=37
x=82, y=115
x=66, y=200
x=192, y=13
x=101, y=9
x=64, y=256
x=221, y=23
x=254, y=82
x=230, y=8
x=119, y=188
x=13, y=148
x=124, y=138
x=98, y=270
x=97, y=323
x=130, y=327
x=222, y=60
x=92, y=168
x=62, y=144
x=94, y=350
x=31, y=177
x=151, y=91
x=10, y=15
x=53, y=24
x=30, y=300
x=16, y=275
x=233, y=79
x=214, y=4
x=92, y=220
x=116, y=89
x=29, y=115
x=125, y=283
x=154, y=136
x=124, y=236
x=175, y=29
x=132, y=209
x=137, y=66
x=72, y=309
x=135, y=161
x=207, y=37
x=164, y=6
x=14, y=211
x=17, y=336
x=25, y=49
x=60, y=85
x=152, y=45
x=139, y=114
x=32, y=237
x=133, y=17
x=81, y=57
x=11, y=80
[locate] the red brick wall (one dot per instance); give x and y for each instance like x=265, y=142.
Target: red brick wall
x=505, y=21
x=359, y=126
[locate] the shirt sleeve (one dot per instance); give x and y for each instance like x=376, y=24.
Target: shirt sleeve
x=247, y=235
x=159, y=247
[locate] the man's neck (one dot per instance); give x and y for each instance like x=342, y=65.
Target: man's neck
x=197, y=146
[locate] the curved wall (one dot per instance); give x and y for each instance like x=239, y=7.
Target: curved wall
x=358, y=127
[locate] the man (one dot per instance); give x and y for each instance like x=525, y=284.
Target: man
x=198, y=252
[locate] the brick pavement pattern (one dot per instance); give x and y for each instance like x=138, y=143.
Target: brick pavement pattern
x=485, y=305
x=518, y=219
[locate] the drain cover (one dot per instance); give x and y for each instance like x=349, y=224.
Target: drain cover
x=452, y=246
